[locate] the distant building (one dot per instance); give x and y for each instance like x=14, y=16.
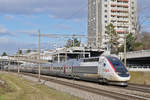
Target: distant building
x=121, y=13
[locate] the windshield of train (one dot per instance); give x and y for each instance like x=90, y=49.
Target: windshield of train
x=117, y=64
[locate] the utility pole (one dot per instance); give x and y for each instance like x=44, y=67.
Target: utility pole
x=125, y=50
x=39, y=57
x=8, y=63
x=18, y=65
x=1, y=65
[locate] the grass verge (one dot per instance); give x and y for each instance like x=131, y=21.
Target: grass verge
x=21, y=89
x=140, y=78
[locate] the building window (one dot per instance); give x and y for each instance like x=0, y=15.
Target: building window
x=105, y=16
x=105, y=21
x=105, y=5
x=133, y=23
x=105, y=0
x=105, y=10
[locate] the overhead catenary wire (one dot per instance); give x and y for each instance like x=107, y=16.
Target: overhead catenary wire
x=75, y=13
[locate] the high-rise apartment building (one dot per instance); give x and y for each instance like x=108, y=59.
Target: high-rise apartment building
x=121, y=13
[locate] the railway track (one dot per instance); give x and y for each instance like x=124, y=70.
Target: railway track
x=141, y=88
x=108, y=93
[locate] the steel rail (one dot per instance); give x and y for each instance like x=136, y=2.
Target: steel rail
x=112, y=94
x=141, y=88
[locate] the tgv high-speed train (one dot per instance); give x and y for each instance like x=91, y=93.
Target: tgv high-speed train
x=104, y=69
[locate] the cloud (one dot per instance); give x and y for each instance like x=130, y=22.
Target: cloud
x=4, y=40
x=10, y=45
x=27, y=32
x=143, y=5
x=9, y=17
x=57, y=8
x=52, y=16
x=62, y=27
x=4, y=31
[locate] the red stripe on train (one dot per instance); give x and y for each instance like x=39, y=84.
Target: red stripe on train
x=111, y=65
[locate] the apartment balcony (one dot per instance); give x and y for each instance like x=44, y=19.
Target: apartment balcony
x=123, y=24
x=120, y=4
x=114, y=21
x=119, y=14
x=122, y=0
x=123, y=19
x=122, y=27
x=123, y=5
x=119, y=10
x=113, y=5
x=122, y=16
x=122, y=31
x=120, y=20
x=114, y=15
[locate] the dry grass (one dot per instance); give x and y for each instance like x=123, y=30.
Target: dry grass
x=140, y=78
x=26, y=90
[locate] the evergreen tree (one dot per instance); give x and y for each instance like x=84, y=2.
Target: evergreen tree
x=19, y=52
x=28, y=51
x=4, y=54
x=130, y=42
x=73, y=42
x=113, y=38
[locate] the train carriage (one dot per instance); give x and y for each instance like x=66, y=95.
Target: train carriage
x=104, y=69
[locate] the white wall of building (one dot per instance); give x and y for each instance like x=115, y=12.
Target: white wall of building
x=121, y=13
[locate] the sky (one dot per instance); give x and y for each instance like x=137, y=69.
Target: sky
x=20, y=21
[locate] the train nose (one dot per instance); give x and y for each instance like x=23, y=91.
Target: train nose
x=125, y=77
x=124, y=74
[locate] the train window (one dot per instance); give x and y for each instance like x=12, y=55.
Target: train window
x=118, y=65
x=91, y=60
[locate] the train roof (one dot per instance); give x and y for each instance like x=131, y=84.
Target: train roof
x=112, y=55
x=89, y=58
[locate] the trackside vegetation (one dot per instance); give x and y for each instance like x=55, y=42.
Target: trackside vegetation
x=17, y=88
x=140, y=78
